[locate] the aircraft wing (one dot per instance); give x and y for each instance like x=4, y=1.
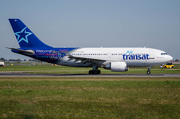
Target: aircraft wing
x=85, y=58
x=88, y=60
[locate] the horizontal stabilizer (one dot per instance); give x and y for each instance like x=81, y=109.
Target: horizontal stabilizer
x=27, y=52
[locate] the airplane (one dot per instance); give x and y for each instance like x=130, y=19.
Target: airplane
x=114, y=59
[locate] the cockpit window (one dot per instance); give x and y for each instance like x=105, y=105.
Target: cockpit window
x=163, y=53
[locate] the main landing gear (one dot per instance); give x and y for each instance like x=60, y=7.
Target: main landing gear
x=95, y=70
x=148, y=71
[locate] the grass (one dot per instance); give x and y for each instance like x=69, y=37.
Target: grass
x=78, y=97
x=63, y=97
x=48, y=69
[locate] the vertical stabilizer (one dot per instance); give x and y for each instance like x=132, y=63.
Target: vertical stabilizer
x=25, y=36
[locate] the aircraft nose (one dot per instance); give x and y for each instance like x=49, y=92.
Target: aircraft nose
x=170, y=58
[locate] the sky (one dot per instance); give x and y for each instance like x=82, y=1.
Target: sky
x=94, y=23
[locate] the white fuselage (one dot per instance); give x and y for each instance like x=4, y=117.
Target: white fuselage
x=133, y=57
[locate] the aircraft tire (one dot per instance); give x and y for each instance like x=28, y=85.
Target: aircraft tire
x=91, y=72
x=148, y=72
x=94, y=72
x=97, y=72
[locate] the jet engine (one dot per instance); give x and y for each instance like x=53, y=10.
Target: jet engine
x=117, y=66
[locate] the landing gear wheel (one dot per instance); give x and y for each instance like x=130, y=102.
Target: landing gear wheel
x=91, y=72
x=148, y=72
x=94, y=72
x=97, y=72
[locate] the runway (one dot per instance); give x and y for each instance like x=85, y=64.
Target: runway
x=22, y=74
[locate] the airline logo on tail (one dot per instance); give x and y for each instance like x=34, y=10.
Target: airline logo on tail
x=23, y=35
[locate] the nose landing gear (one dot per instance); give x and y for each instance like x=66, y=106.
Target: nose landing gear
x=148, y=71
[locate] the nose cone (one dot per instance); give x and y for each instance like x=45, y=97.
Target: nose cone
x=170, y=58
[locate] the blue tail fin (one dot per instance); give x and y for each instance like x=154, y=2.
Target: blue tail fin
x=25, y=36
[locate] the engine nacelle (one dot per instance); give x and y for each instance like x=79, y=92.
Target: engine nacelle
x=117, y=66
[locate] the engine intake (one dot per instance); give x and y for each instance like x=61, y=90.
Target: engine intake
x=117, y=66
